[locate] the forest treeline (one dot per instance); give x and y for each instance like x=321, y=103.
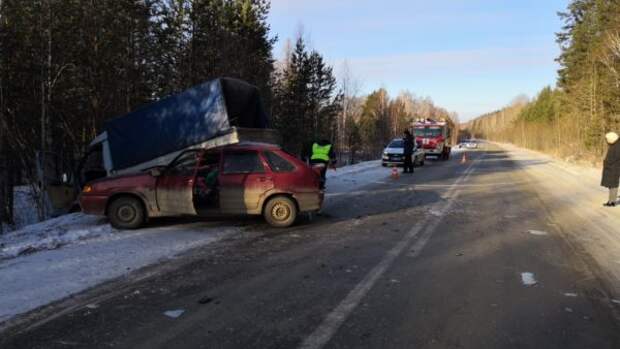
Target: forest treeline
x=67, y=66
x=571, y=118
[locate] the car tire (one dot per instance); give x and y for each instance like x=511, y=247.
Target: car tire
x=126, y=212
x=280, y=212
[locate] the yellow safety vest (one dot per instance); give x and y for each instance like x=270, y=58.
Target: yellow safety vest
x=320, y=152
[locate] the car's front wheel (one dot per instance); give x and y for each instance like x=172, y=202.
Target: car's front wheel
x=280, y=212
x=126, y=212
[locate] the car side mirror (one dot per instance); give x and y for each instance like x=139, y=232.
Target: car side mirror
x=155, y=172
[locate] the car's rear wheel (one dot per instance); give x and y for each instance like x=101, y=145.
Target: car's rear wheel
x=280, y=212
x=126, y=212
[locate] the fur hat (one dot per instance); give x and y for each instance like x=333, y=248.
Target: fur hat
x=611, y=137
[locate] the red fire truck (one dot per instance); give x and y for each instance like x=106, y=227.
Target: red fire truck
x=434, y=136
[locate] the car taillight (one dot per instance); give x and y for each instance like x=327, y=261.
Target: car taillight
x=87, y=189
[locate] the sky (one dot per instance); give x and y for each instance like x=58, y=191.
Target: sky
x=469, y=56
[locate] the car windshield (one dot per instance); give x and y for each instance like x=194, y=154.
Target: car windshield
x=397, y=143
x=428, y=132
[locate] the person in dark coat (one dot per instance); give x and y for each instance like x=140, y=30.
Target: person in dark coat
x=408, y=146
x=611, y=168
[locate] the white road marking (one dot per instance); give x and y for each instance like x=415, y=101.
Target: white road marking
x=528, y=279
x=332, y=322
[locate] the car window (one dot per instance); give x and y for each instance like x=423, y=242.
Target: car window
x=397, y=143
x=243, y=162
x=185, y=164
x=210, y=159
x=278, y=163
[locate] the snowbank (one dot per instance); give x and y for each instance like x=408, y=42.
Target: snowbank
x=52, y=234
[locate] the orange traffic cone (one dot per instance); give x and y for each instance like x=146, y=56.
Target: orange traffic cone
x=464, y=159
x=395, y=174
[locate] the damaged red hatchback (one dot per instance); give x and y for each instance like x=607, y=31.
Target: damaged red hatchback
x=252, y=178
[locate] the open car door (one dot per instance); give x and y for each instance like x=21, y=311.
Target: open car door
x=175, y=187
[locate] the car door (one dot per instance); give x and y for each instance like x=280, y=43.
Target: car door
x=175, y=187
x=244, y=181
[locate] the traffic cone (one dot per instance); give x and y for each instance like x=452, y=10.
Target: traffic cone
x=395, y=174
x=464, y=159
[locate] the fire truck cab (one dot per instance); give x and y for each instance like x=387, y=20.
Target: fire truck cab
x=434, y=136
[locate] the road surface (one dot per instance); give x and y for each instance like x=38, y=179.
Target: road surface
x=458, y=255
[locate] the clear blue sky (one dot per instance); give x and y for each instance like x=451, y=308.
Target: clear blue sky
x=469, y=56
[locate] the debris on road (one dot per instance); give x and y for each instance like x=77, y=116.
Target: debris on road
x=570, y=294
x=528, y=279
x=205, y=300
x=174, y=313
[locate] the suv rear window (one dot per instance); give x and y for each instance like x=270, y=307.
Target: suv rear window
x=278, y=163
x=242, y=162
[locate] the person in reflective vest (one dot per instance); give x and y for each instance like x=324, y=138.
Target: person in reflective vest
x=323, y=154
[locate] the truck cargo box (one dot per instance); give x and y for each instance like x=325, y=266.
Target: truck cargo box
x=215, y=110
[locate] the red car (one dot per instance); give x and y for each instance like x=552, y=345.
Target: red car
x=251, y=179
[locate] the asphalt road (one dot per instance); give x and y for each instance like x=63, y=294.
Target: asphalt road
x=454, y=256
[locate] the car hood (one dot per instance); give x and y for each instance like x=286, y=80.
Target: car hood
x=394, y=150
x=120, y=178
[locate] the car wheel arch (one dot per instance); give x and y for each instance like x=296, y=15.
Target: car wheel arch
x=273, y=195
x=117, y=196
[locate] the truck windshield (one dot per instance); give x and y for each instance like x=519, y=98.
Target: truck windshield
x=428, y=132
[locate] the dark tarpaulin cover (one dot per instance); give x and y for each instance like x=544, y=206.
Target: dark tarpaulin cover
x=191, y=117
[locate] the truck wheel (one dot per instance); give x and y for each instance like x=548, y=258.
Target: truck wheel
x=280, y=212
x=126, y=213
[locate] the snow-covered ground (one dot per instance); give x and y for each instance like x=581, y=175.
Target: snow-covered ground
x=575, y=198
x=49, y=261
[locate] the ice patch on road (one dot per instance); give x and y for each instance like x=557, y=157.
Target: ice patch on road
x=538, y=232
x=528, y=279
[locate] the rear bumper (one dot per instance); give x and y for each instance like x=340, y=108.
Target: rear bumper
x=309, y=202
x=93, y=204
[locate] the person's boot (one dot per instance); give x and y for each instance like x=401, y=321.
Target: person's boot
x=609, y=204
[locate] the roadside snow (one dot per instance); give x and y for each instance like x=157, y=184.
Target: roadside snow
x=37, y=279
x=353, y=177
x=52, y=234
